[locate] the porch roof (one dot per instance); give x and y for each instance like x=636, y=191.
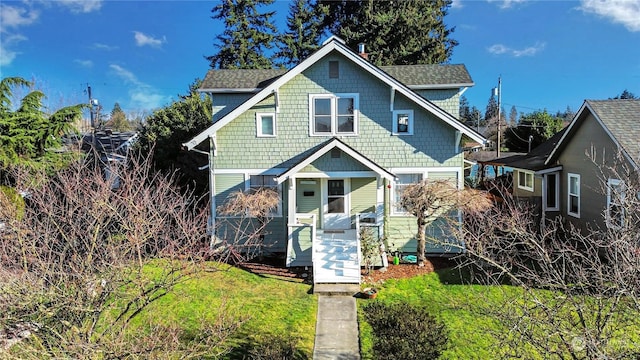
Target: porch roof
x=325, y=148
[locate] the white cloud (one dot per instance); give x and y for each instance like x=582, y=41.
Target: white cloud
x=625, y=12
x=505, y=4
x=144, y=39
x=84, y=63
x=81, y=6
x=500, y=49
x=13, y=16
x=456, y=4
x=142, y=96
x=100, y=46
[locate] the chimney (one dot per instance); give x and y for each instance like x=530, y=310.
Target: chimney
x=361, y=51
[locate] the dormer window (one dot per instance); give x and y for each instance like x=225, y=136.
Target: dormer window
x=333, y=114
x=402, y=122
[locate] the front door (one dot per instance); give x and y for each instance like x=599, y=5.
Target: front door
x=336, y=205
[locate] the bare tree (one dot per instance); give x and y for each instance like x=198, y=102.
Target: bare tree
x=84, y=257
x=431, y=199
x=577, y=290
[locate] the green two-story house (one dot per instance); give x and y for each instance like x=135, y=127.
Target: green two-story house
x=339, y=138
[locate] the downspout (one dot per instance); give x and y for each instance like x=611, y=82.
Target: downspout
x=211, y=223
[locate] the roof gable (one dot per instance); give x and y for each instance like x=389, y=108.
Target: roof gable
x=619, y=118
x=335, y=44
x=324, y=149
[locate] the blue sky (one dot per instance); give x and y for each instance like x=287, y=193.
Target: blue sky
x=142, y=54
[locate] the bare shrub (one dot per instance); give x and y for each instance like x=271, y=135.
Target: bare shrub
x=241, y=228
x=85, y=258
x=580, y=287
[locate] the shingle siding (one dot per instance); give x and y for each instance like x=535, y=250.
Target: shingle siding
x=431, y=145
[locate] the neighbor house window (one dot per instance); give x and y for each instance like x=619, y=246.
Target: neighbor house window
x=266, y=125
x=334, y=114
x=525, y=180
x=615, y=206
x=401, y=183
x=403, y=122
x=573, y=195
x=267, y=181
x=551, y=191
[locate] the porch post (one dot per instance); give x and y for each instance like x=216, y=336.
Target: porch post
x=291, y=203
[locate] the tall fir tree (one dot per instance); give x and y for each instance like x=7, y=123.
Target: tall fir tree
x=118, y=120
x=491, y=111
x=248, y=34
x=394, y=32
x=513, y=116
x=304, y=31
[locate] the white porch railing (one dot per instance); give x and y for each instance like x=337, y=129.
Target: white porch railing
x=301, y=220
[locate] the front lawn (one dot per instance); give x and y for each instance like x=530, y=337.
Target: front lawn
x=270, y=309
x=469, y=313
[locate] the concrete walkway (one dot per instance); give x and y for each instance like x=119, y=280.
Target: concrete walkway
x=336, y=329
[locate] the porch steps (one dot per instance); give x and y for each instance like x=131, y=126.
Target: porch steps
x=336, y=258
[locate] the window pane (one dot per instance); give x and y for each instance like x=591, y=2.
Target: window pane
x=573, y=185
x=345, y=106
x=336, y=187
x=322, y=124
x=573, y=204
x=345, y=124
x=322, y=107
x=403, y=123
x=551, y=190
x=409, y=178
x=267, y=125
x=336, y=205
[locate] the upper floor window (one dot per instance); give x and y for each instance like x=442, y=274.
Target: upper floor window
x=525, y=180
x=403, y=122
x=266, y=124
x=615, y=203
x=334, y=114
x=573, y=195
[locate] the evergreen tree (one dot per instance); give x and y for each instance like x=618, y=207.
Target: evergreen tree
x=626, y=95
x=166, y=129
x=394, y=32
x=304, y=31
x=540, y=125
x=247, y=35
x=491, y=112
x=465, y=110
x=513, y=116
x=28, y=133
x=118, y=120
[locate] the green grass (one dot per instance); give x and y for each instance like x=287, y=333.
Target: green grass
x=467, y=312
x=270, y=308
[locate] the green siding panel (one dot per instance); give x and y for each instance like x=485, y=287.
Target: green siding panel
x=328, y=162
x=226, y=184
x=431, y=145
x=363, y=195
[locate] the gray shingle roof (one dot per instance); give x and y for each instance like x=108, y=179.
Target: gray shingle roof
x=622, y=119
x=535, y=159
x=240, y=79
x=436, y=76
x=416, y=75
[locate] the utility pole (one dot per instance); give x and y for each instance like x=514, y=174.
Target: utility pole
x=499, y=93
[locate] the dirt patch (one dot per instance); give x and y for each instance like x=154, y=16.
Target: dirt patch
x=275, y=267
x=404, y=270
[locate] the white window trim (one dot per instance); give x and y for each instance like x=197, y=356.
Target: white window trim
x=611, y=183
x=425, y=172
x=334, y=117
x=259, y=132
x=569, y=177
x=545, y=194
x=395, y=122
x=525, y=187
x=394, y=211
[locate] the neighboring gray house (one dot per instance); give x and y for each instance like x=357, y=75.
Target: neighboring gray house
x=604, y=135
x=339, y=138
